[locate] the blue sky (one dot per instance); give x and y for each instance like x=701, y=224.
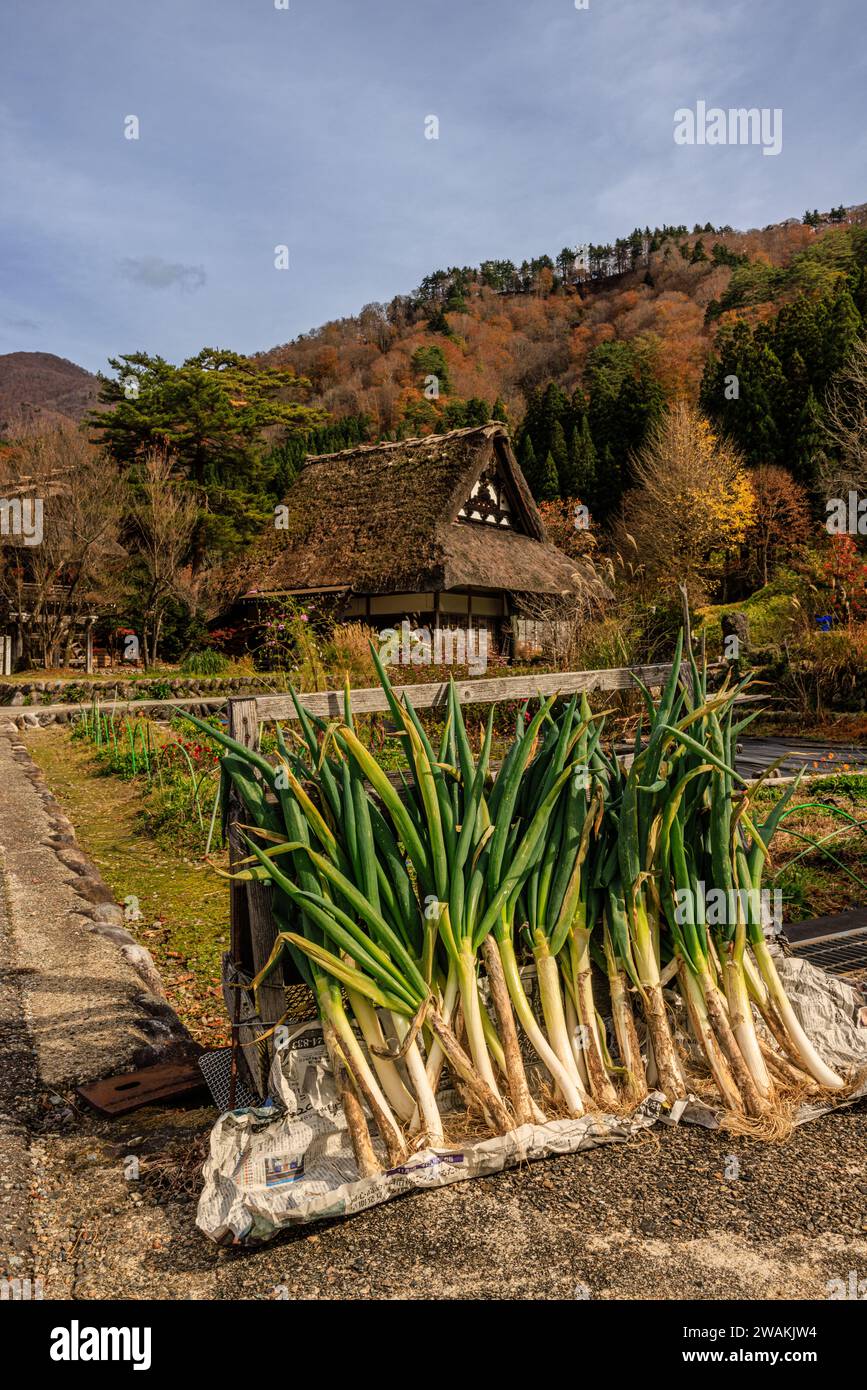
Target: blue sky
x=305, y=127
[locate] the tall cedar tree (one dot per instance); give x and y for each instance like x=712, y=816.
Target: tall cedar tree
x=548, y=482
x=581, y=474
x=560, y=455
x=626, y=400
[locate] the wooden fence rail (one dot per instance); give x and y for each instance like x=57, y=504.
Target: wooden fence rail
x=479, y=691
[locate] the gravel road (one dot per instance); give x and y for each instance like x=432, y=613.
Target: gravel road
x=656, y=1218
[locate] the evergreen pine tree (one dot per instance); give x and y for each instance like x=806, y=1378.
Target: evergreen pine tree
x=533, y=424
x=844, y=324
x=454, y=415
x=548, y=482
x=808, y=441
x=560, y=453
x=528, y=463
x=764, y=396
x=438, y=323
x=609, y=488
x=568, y=474
x=477, y=412
x=554, y=405
x=583, y=464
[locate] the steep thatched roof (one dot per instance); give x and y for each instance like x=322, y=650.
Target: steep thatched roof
x=383, y=518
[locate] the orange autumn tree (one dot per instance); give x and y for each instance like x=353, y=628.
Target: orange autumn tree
x=567, y=523
x=692, y=507
x=781, y=525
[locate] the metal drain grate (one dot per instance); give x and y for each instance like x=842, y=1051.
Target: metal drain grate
x=842, y=954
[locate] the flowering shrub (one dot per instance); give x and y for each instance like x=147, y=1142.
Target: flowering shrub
x=290, y=644
x=200, y=755
x=313, y=651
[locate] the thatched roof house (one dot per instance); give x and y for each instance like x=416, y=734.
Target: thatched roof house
x=442, y=529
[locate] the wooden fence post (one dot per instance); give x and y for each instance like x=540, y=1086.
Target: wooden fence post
x=253, y=932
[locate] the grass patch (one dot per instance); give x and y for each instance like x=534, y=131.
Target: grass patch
x=770, y=611
x=813, y=885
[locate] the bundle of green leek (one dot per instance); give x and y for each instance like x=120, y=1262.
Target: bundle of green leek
x=464, y=923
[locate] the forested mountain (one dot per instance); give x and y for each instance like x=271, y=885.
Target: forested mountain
x=696, y=350
x=40, y=386
x=579, y=352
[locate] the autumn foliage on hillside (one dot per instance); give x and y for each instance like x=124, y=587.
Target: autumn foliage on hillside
x=503, y=344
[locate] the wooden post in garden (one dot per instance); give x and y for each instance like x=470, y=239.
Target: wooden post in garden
x=88, y=647
x=253, y=932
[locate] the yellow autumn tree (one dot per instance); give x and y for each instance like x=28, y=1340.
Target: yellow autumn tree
x=691, y=508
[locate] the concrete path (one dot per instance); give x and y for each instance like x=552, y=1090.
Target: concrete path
x=18, y=1092
x=92, y=998
x=79, y=1000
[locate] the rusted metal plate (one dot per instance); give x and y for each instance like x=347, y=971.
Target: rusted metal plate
x=117, y=1095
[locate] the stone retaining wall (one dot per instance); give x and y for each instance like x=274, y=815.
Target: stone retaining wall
x=33, y=693
x=14, y=719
